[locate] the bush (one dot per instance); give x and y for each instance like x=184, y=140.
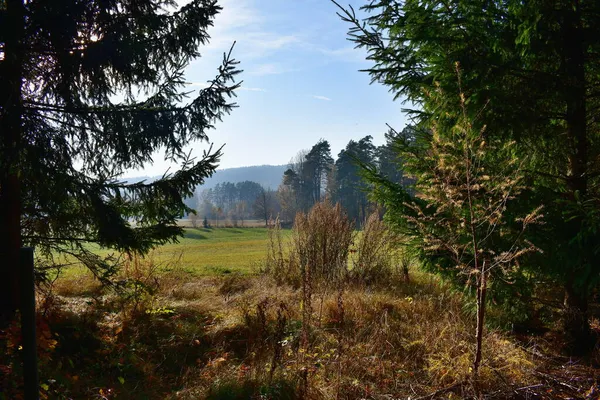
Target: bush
x=318, y=250
x=376, y=253
x=321, y=241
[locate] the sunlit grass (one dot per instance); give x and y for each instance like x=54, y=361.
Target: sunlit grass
x=203, y=252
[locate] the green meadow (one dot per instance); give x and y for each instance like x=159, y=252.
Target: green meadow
x=206, y=252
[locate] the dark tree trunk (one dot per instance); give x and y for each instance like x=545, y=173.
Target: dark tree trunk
x=576, y=323
x=10, y=184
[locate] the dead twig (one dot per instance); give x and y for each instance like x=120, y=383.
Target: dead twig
x=560, y=383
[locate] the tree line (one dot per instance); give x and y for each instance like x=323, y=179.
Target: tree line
x=236, y=202
x=313, y=175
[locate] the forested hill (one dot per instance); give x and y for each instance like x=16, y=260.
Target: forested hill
x=268, y=176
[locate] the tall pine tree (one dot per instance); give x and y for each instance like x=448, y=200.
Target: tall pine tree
x=89, y=89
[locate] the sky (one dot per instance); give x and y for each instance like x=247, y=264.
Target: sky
x=301, y=83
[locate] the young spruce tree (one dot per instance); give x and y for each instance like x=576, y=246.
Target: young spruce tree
x=88, y=90
x=457, y=220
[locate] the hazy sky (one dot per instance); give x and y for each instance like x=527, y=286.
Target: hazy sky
x=301, y=83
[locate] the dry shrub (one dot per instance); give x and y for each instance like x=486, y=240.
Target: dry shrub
x=394, y=344
x=79, y=285
x=283, y=269
x=139, y=281
x=376, y=253
x=322, y=241
x=318, y=250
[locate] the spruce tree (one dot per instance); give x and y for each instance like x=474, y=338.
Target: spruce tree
x=535, y=65
x=460, y=219
x=88, y=90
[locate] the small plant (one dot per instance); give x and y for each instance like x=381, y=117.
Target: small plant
x=233, y=284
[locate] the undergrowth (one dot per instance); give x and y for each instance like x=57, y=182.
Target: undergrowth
x=321, y=330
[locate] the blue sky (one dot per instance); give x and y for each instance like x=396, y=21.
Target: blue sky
x=301, y=83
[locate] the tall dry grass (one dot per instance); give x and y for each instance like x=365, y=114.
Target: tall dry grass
x=377, y=253
x=322, y=239
x=303, y=331
x=246, y=337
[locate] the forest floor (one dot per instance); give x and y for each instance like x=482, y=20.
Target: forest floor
x=214, y=331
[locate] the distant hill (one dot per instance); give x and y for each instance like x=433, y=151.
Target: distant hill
x=269, y=176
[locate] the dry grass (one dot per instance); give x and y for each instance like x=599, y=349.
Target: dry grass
x=172, y=334
x=218, y=338
x=377, y=254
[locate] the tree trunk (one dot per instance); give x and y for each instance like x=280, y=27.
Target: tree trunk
x=481, y=295
x=10, y=180
x=576, y=323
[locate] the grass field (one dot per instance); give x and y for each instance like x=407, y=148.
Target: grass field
x=214, y=251
x=218, y=251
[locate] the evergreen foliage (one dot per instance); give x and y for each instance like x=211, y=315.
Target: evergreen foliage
x=351, y=189
x=530, y=75
x=88, y=90
x=307, y=176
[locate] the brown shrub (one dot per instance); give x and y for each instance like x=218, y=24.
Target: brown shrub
x=322, y=241
x=376, y=252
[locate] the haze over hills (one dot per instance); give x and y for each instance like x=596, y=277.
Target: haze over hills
x=269, y=176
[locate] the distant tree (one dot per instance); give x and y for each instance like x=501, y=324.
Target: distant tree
x=307, y=175
x=88, y=90
x=264, y=205
x=233, y=217
x=298, y=181
x=241, y=210
x=351, y=189
x=317, y=166
x=218, y=211
x=205, y=206
x=247, y=191
x=205, y=223
x=288, y=201
x=331, y=186
x=193, y=216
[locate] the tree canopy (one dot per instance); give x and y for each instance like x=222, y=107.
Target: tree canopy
x=88, y=90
